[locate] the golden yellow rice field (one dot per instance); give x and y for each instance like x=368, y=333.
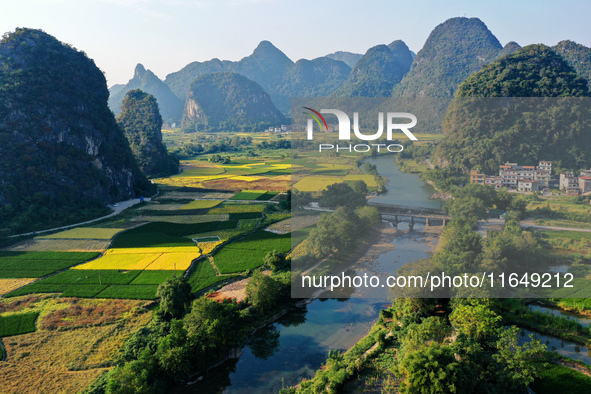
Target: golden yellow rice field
x=368, y=179
x=84, y=233
x=127, y=261
x=207, y=247
x=173, y=261
x=172, y=249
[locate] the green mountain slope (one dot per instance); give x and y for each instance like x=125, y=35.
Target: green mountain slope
x=577, y=56
x=141, y=122
x=488, y=132
x=228, y=101
x=62, y=155
x=378, y=71
x=454, y=50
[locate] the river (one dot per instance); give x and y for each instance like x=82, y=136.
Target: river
x=296, y=345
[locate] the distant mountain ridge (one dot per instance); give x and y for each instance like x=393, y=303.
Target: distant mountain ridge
x=279, y=76
x=171, y=107
x=349, y=58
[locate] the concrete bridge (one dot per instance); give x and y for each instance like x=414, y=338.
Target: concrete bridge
x=412, y=215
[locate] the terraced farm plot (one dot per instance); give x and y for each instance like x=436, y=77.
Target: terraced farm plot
x=85, y=233
x=202, y=204
x=15, y=324
x=160, y=234
x=182, y=219
x=248, y=195
x=227, y=208
x=248, y=253
x=39, y=264
x=315, y=183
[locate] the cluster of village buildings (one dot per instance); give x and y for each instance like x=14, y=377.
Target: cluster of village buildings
x=534, y=178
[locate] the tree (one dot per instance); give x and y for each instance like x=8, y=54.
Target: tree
x=475, y=320
x=262, y=291
x=360, y=187
x=433, y=369
x=175, y=296
x=275, y=260
x=299, y=199
x=341, y=194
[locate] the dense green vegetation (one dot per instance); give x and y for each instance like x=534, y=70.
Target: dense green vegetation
x=442, y=347
x=63, y=157
x=187, y=337
x=141, y=122
x=559, y=378
x=577, y=56
x=486, y=133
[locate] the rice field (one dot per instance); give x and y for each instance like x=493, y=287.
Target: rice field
x=142, y=261
x=229, y=207
x=369, y=180
x=85, y=233
x=315, y=183
x=8, y=285
x=208, y=247
x=39, y=264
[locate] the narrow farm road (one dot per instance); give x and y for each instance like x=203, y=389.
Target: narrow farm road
x=123, y=205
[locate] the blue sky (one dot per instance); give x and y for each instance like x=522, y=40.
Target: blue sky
x=166, y=35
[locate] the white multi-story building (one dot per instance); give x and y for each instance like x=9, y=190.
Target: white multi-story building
x=511, y=174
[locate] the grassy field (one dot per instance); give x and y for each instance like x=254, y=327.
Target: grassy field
x=205, y=276
x=16, y=324
x=249, y=252
x=75, y=341
x=85, y=233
